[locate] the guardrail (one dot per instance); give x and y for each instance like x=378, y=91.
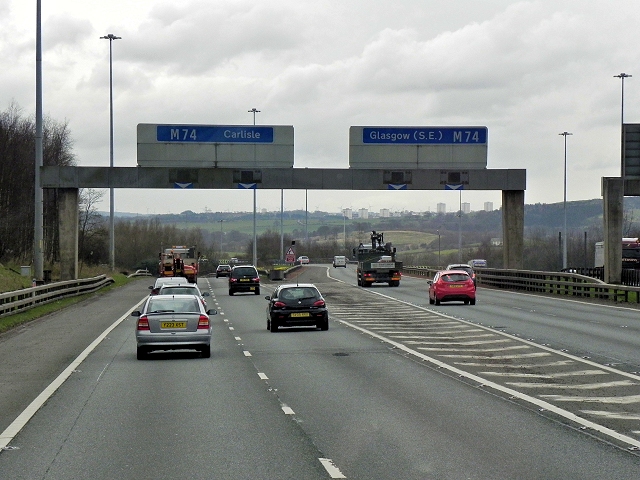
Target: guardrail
x=554, y=283
x=21, y=300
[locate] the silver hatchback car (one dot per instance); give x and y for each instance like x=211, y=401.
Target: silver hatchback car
x=173, y=322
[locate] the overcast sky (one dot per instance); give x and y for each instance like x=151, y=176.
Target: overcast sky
x=527, y=70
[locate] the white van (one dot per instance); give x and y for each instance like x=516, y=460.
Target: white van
x=339, y=261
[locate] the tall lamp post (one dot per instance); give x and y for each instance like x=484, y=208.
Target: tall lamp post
x=564, y=228
x=112, y=244
x=622, y=76
x=221, y=220
x=38, y=234
x=255, y=248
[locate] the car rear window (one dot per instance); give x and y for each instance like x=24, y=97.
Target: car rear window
x=298, y=293
x=178, y=291
x=243, y=271
x=455, y=277
x=182, y=305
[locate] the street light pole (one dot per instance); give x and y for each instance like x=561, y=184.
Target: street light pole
x=622, y=76
x=112, y=249
x=38, y=236
x=255, y=248
x=564, y=230
x=220, y=259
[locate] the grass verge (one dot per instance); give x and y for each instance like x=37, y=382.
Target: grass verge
x=12, y=321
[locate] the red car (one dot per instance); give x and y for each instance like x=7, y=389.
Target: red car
x=451, y=286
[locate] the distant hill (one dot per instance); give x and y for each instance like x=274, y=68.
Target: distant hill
x=582, y=214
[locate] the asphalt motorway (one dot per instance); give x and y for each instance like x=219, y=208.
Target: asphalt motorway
x=297, y=404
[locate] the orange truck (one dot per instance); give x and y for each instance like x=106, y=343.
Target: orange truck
x=179, y=261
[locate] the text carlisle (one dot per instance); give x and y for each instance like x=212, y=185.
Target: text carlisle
x=213, y=134
x=421, y=136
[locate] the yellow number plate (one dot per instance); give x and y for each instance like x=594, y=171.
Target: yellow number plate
x=456, y=286
x=305, y=314
x=173, y=324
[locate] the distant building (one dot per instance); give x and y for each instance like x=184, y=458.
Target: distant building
x=488, y=206
x=466, y=207
x=441, y=208
x=384, y=212
x=363, y=213
x=347, y=212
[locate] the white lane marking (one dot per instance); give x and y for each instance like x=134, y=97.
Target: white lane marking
x=546, y=375
x=475, y=350
x=263, y=376
x=246, y=353
x=501, y=357
x=470, y=343
x=231, y=328
x=237, y=339
x=330, y=467
x=288, y=410
x=509, y=391
x=614, y=415
x=584, y=386
x=21, y=420
x=441, y=337
x=559, y=363
x=627, y=400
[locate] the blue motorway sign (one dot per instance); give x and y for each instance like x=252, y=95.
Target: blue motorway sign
x=425, y=135
x=214, y=134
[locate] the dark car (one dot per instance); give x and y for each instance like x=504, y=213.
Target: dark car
x=451, y=286
x=244, y=278
x=296, y=305
x=223, y=271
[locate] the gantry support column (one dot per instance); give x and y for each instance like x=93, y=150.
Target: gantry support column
x=513, y=228
x=68, y=231
x=613, y=214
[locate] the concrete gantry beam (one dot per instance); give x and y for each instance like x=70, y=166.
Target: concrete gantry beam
x=512, y=183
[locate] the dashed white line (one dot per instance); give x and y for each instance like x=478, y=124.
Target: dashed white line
x=330, y=467
x=288, y=410
x=246, y=353
x=263, y=376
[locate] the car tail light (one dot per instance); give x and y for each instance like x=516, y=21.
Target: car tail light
x=143, y=323
x=318, y=303
x=233, y=280
x=279, y=304
x=256, y=279
x=203, y=322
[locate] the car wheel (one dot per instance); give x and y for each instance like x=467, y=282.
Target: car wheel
x=141, y=353
x=431, y=301
x=473, y=301
x=231, y=292
x=257, y=291
x=268, y=324
x=437, y=300
x=466, y=302
x=324, y=325
x=273, y=327
x=206, y=351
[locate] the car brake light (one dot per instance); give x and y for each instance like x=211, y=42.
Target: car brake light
x=279, y=304
x=256, y=279
x=203, y=322
x=318, y=303
x=143, y=323
x=232, y=280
